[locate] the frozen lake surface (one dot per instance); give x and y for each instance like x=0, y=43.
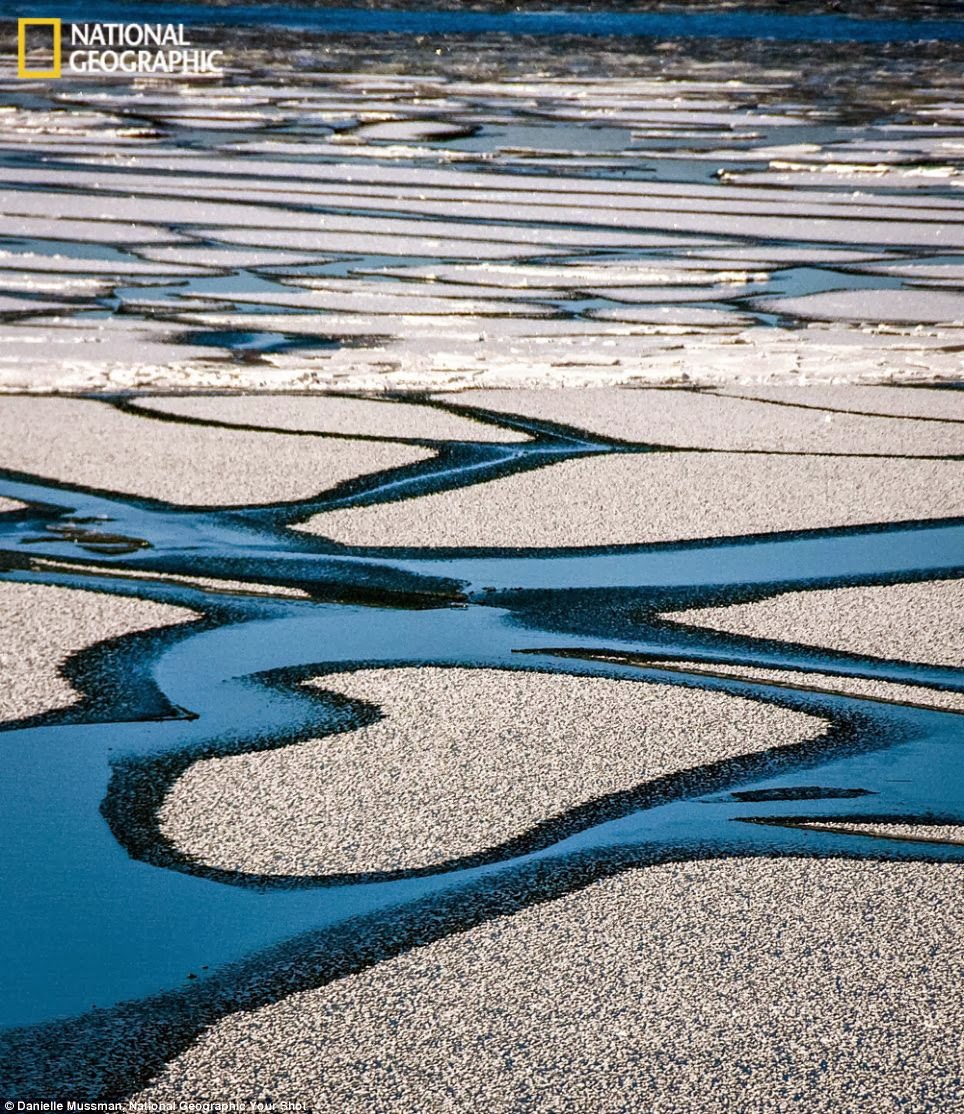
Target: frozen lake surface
x=399, y=198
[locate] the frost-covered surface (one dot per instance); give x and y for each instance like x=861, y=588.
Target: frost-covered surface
x=410, y=213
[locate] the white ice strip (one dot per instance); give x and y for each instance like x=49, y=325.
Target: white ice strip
x=219, y=111
x=485, y=185
x=765, y=255
x=328, y=414
x=950, y=273
x=213, y=123
x=225, y=258
x=903, y=178
x=511, y=334
x=646, y=293
x=920, y=833
x=36, y=121
x=86, y=151
x=663, y=271
x=602, y=277
x=650, y=286
x=84, y=230
x=638, y=115
x=253, y=218
x=366, y=300
x=927, y=140
x=841, y=158
x=925, y=283
x=910, y=306
x=363, y=107
x=10, y=303
x=876, y=163
x=490, y=195
x=116, y=145
x=80, y=264
x=946, y=112
x=345, y=145
x=845, y=686
x=141, y=101
x=416, y=286
x=671, y=315
x=601, y=88
x=897, y=401
x=641, y=133
x=609, y=105
x=655, y=96
x=365, y=102
x=53, y=284
x=426, y=243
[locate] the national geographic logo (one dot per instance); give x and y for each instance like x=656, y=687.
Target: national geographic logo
x=23, y=27
x=110, y=48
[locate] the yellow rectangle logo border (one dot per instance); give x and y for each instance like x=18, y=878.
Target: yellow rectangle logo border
x=22, y=25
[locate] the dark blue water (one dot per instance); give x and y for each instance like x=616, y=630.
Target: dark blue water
x=780, y=26
x=110, y=923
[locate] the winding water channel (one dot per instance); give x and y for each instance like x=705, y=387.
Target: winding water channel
x=119, y=932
